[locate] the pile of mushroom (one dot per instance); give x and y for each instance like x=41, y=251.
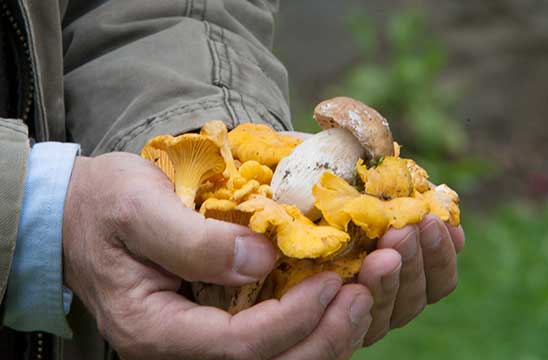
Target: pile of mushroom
x=323, y=201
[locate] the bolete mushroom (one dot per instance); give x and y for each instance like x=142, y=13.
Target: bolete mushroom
x=355, y=131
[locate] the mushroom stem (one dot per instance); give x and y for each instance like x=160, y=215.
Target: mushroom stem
x=335, y=150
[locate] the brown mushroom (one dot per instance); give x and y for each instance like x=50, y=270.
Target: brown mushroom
x=367, y=125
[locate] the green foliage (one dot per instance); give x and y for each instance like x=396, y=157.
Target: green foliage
x=500, y=309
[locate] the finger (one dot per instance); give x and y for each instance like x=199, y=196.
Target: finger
x=380, y=273
x=341, y=330
x=260, y=332
x=182, y=241
x=411, y=298
x=439, y=257
x=457, y=236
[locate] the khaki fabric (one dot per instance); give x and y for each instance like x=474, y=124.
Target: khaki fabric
x=111, y=74
x=14, y=147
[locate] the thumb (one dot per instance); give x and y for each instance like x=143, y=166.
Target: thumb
x=194, y=248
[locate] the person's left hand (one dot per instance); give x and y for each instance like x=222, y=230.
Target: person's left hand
x=412, y=267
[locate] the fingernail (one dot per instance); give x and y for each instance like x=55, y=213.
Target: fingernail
x=409, y=246
x=431, y=235
x=359, y=310
x=389, y=282
x=253, y=257
x=329, y=291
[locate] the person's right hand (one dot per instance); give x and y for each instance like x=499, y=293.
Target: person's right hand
x=127, y=243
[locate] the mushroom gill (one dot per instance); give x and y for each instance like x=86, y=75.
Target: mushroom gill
x=195, y=159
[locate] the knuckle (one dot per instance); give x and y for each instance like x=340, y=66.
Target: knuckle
x=444, y=261
x=126, y=207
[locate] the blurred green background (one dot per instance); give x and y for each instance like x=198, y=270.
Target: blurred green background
x=464, y=88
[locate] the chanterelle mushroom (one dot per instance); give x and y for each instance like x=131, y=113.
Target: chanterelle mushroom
x=261, y=143
x=194, y=158
x=360, y=132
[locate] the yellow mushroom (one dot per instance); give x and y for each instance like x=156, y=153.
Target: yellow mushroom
x=240, y=180
x=443, y=202
x=224, y=210
x=217, y=130
x=290, y=272
x=195, y=158
x=253, y=170
x=419, y=176
x=390, y=179
x=160, y=159
x=261, y=143
x=295, y=234
x=340, y=203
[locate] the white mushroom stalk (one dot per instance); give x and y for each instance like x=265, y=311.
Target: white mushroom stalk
x=335, y=150
x=355, y=131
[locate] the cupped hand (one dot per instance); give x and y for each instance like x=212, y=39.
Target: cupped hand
x=127, y=243
x=412, y=267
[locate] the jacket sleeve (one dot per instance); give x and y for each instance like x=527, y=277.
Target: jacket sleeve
x=14, y=147
x=137, y=69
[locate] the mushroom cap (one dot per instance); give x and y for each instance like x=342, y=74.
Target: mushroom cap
x=443, y=202
x=290, y=272
x=224, y=210
x=253, y=170
x=340, y=203
x=160, y=159
x=195, y=159
x=367, y=125
x=389, y=179
x=296, y=236
x=261, y=143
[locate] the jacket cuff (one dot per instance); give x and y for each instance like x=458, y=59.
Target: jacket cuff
x=188, y=116
x=36, y=299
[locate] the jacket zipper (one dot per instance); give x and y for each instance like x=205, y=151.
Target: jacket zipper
x=25, y=102
x=23, y=54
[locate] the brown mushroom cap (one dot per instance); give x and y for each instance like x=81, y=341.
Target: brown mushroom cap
x=367, y=125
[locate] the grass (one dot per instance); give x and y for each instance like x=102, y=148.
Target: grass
x=500, y=309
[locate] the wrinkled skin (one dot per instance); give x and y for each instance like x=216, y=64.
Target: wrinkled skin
x=128, y=242
x=412, y=267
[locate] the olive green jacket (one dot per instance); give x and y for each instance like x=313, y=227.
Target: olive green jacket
x=110, y=75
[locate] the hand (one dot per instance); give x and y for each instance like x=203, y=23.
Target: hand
x=127, y=243
x=413, y=266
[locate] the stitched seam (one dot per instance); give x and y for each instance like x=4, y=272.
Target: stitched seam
x=262, y=111
x=245, y=108
x=188, y=7
x=224, y=61
x=227, y=56
x=204, y=11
